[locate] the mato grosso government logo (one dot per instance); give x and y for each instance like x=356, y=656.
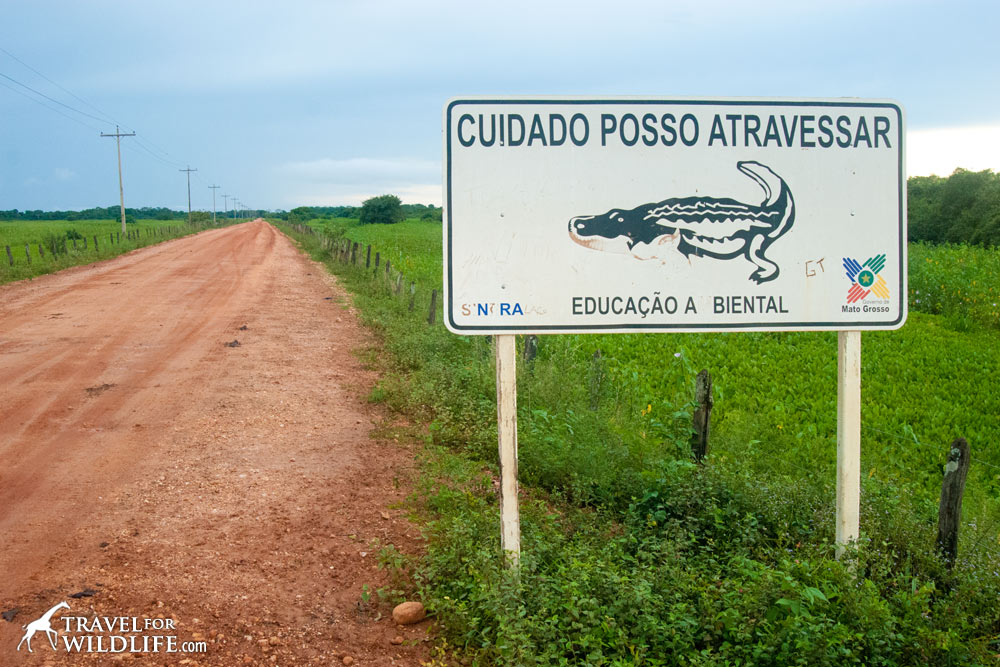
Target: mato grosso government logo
x=106, y=634
x=865, y=279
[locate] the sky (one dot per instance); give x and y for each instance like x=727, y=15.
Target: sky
x=326, y=103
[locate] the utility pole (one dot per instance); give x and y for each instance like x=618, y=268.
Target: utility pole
x=121, y=187
x=236, y=202
x=225, y=204
x=213, y=188
x=189, y=170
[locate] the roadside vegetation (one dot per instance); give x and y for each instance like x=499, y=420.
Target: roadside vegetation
x=634, y=555
x=56, y=244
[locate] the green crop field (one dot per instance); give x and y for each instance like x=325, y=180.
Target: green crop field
x=632, y=552
x=960, y=282
x=56, y=238
x=923, y=385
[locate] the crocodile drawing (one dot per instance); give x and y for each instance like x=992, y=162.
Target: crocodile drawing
x=698, y=226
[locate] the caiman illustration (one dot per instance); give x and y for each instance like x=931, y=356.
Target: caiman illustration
x=699, y=226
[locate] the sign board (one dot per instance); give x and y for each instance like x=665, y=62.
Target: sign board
x=622, y=214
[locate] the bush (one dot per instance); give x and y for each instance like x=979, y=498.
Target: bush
x=384, y=209
x=54, y=242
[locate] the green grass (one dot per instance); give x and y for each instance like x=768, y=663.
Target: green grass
x=960, y=282
x=412, y=246
x=632, y=554
x=53, y=233
x=923, y=385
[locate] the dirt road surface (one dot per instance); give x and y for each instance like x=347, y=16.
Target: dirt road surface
x=184, y=437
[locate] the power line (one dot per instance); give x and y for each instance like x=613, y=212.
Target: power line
x=148, y=150
x=68, y=92
x=51, y=108
x=52, y=99
x=160, y=150
x=148, y=145
x=151, y=154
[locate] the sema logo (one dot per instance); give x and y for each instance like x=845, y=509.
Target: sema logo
x=865, y=278
x=503, y=309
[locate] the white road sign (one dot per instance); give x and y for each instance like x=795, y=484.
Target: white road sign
x=603, y=215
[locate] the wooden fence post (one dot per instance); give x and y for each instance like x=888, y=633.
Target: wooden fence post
x=10, y=257
x=41, y=252
x=596, y=379
x=368, y=259
x=434, y=298
x=387, y=265
x=27, y=252
x=702, y=415
x=95, y=243
x=376, y=261
x=399, y=283
x=530, y=349
x=413, y=294
x=74, y=244
x=950, y=507
x=354, y=253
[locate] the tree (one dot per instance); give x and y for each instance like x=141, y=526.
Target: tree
x=962, y=208
x=201, y=218
x=385, y=209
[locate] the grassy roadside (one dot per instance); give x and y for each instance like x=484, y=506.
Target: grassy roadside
x=53, y=245
x=633, y=555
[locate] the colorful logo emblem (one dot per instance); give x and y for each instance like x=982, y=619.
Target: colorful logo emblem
x=865, y=278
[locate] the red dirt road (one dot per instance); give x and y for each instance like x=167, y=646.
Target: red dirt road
x=232, y=490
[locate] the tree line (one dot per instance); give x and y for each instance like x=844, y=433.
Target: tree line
x=383, y=209
x=961, y=208
x=97, y=213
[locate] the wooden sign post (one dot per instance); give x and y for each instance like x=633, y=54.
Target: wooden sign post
x=510, y=520
x=848, y=438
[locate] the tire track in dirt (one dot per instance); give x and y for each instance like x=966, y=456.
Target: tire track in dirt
x=234, y=490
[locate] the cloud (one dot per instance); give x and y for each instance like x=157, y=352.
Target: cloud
x=371, y=171
x=64, y=174
x=344, y=196
x=330, y=182
x=940, y=151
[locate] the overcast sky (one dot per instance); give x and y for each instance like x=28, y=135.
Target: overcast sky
x=323, y=103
